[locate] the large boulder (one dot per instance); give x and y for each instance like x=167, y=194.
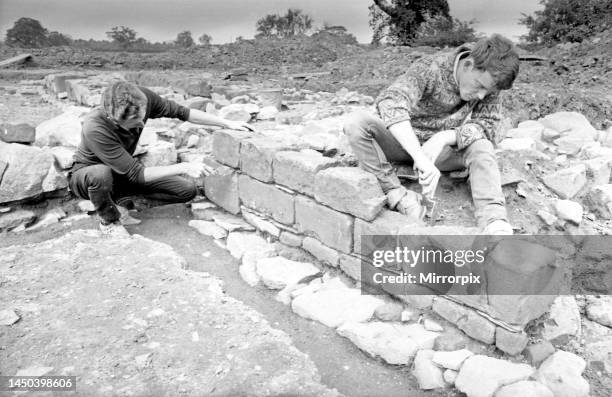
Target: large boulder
x=63, y=130
x=26, y=170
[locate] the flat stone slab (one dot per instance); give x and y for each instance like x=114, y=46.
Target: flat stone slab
x=336, y=305
x=278, y=272
x=481, y=376
x=395, y=343
x=108, y=312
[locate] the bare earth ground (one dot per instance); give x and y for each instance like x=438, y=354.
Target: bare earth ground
x=81, y=316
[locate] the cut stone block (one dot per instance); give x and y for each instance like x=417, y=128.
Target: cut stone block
x=567, y=182
x=231, y=223
x=509, y=342
x=297, y=170
x=334, y=306
x=278, y=272
x=221, y=187
x=325, y=224
x=351, y=265
x=351, y=190
x=394, y=343
x=291, y=239
x=17, y=133
x=320, y=251
x=257, y=156
x=517, y=144
x=481, y=376
x=261, y=223
x=466, y=319
x=538, y=352
x=226, y=146
x=267, y=199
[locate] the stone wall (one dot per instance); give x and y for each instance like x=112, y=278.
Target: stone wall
x=317, y=203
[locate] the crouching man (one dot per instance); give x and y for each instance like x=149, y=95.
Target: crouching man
x=442, y=114
x=105, y=169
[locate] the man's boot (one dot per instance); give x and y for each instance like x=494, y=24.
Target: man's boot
x=407, y=202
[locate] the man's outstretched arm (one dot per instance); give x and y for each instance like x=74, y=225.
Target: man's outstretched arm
x=199, y=117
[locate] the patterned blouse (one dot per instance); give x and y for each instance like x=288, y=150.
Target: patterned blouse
x=428, y=96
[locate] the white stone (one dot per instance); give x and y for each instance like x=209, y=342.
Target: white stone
x=517, y=144
x=569, y=210
x=564, y=319
x=394, y=342
x=599, y=355
x=267, y=113
x=239, y=242
x=481, y=376
x=86, y=206
x=193, y=140
x=8, y=317
x=547, y=217
x=428, y=375
x=248, y=267
x=524, y=388
x=451, y=360
x=49, y=218
x=235, y=112
x=336, y=306
x=63, y=130
x=450, y=376
x=598, y=170
x=600, y=310
x=231, y=223
x=561, y=373
x=261, y=224
x=409, y=315
x=63, y=156
x=567, y=182
x=278, y=272
x=159, y=154
x=431, y=325
x=569, y=123
x=208, y=228
x=599, y=199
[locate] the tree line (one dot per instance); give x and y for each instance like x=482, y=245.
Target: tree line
x=397, y=22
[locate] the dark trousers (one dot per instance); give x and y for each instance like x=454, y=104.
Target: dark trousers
x=99, y=184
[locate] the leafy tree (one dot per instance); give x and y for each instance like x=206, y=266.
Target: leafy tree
x=26, y=32
x=293, y=23
x=58, y=39
x=398, y=20
x=440, y=31
x=567, y=20
x=122, y=35
x=205, y=39
x=184, y=39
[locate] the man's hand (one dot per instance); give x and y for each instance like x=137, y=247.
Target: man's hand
x=195, y=170
x=429, y=175
x=239, y=125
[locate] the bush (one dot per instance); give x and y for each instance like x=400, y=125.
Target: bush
x=441, y=31
x=567, y=21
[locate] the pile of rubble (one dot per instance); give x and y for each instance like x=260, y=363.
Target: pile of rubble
x=298, y=206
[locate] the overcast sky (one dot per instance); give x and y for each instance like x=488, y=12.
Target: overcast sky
x=224, y=20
